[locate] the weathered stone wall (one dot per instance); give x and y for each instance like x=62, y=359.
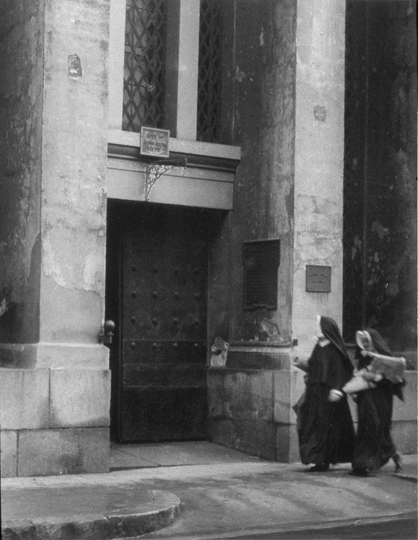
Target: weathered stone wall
x=252, y=411
x=287, y=91
x=380, y=186
x=55, y=140
x=74, y=170
x=55, y=390
x=288, y=77
x=319, y=150
x=54, y=421
x=288, y=87
x=380, y=171
x=264, y=101
x=21, y=103
x=285, y=82
x=260, y=86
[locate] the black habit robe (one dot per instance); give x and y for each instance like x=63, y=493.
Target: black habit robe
x=374, y=446
x=325, y=429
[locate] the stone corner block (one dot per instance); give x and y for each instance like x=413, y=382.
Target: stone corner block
x=24, y=398
x=79, y=398
x=287, y=444
x=404, y=435
x=63, y=451
x=288, y=388
x=406, y=410
x=8, y=454
x=248, y=395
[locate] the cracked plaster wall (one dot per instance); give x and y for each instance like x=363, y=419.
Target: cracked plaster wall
x=380, y=171
x=319, y=151
x=260, y=82
x=54, y=141
x=286, y=82
x=53, y=129
x=21, y=92
x=74, y=168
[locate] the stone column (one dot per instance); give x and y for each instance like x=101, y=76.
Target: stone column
x=319, y=160
x=56, y=398
x=318, y=193
x=288, y=68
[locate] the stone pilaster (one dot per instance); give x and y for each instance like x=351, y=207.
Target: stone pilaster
x=319, y=161
x=50, y=336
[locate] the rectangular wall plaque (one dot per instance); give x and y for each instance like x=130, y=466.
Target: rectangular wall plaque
x=318, y=278
x=261, y=263
x=155, y=142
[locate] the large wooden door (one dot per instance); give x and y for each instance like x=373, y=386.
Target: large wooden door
x=159, y=358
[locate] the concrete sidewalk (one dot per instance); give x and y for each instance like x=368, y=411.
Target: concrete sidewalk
x=197, y=490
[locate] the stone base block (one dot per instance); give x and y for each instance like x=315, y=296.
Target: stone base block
x=63, y=451
x=24, y=398
x=251, y=411
x=79, y=398
x=406, y=410
x=265, y=440
x=289, y=386
x=404, y=435
x=54, y=355
x=256, y=438
x=410, y=357
x=8, y=440
x=221, y=431
x=242, y=402
x=287, y=444
x=258, y=357
x=243, y=395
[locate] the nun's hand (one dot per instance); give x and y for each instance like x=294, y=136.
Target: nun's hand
x=335, y=395
x=301, y=364
x=296, y=361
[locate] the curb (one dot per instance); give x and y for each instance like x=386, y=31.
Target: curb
x=280, y=530
x=97, y=527
x=409, y=477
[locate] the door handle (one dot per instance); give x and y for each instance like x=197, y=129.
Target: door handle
x=106, y=332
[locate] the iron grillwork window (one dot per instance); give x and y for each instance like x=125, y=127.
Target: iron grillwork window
x=210, y=71
x=144, y=77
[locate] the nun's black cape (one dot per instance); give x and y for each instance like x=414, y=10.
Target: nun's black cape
x=374, y=446
x=325, y=429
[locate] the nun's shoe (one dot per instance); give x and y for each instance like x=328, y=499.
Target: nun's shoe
x=397, y=459
x=319, y=468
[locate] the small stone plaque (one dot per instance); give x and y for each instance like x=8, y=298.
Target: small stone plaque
x=318, y=278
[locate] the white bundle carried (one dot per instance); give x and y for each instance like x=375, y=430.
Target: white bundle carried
x=381, y=366
x=357, y=384
x=389, y=367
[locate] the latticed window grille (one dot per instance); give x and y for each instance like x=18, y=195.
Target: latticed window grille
x=144, y=77
x=210, y=66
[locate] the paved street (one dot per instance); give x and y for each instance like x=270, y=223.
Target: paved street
x=402, y=528
x=254, y=499
x=221, y=494
x=243, y=506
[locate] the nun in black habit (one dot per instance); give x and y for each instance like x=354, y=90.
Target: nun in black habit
x=325, y=426
x=374, y=446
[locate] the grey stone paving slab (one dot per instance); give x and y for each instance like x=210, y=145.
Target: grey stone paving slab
x=227, y=492
x=175, y=454
x=91, y=512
